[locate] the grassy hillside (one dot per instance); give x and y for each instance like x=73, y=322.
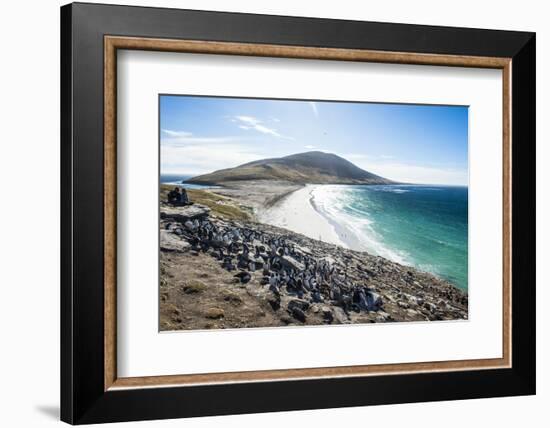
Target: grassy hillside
x=302, y=168
x=219, y=205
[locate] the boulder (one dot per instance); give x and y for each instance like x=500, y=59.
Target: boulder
x=193, y=287
x=297, y=313
x=340, y=316
x=182, y=214
x=214, y=313
x=292, y=263
x=328, y=316
x=374, y=301
x=298, y=303
x=171, y=242
x=232, y=297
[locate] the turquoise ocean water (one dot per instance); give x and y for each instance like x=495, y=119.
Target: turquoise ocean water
x=419, y=225
x=176, y=179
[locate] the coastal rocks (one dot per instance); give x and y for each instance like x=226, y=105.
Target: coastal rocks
x=171, y=242
x=185, y=213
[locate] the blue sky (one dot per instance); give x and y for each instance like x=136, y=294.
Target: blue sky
x=410, y=143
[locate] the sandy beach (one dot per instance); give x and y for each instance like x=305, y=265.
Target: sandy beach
x=295, y=212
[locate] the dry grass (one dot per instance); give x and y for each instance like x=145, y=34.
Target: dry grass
x=219, y=205
x=223, y=302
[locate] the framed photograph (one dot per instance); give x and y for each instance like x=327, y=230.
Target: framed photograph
x=266, y=213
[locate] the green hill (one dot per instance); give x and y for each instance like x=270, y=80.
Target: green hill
x=310, y=167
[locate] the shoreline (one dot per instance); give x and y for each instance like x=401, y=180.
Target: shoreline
x=292, y=207
x=203, y=288
x=298, y=212
x=295, y=211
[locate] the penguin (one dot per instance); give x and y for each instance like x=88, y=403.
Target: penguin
x=316, y=296
x=242, y=262
x=266, y=268
x=243, y=276
x=228, y=264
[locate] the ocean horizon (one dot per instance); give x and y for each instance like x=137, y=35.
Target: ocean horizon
x=176, y=179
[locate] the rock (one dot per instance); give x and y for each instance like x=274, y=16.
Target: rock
x=328, y=316
x=286, y=319
x=292, y=263
x=374, y=301
x=274, y=301
x=172, y=226
x=340, y=316
x=182, y=214
x=171, y=242
x=430, y=306
x=412, y=312
x=193, y=287
x=214, y=313
x=211, y=326
x=231, y=297
x=298, y=303
x=384, y=316
x=297, y=313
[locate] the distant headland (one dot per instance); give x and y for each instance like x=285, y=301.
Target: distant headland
x=314, y=167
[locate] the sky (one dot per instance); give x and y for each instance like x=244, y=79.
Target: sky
x=406, y=143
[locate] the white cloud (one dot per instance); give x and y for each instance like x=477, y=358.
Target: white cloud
x=253, y=123
x=309, y=146
x=314, y=108
x=407, y=173
x=171, y=133
x=249, y=120
x=195, y=159
x=190, y=141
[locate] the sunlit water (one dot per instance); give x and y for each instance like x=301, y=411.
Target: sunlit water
x=421, y=226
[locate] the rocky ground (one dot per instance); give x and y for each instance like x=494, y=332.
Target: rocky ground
x=228, y=271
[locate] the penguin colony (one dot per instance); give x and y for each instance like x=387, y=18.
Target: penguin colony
x=285, y=267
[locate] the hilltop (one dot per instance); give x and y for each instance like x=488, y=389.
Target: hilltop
x=310, y=167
